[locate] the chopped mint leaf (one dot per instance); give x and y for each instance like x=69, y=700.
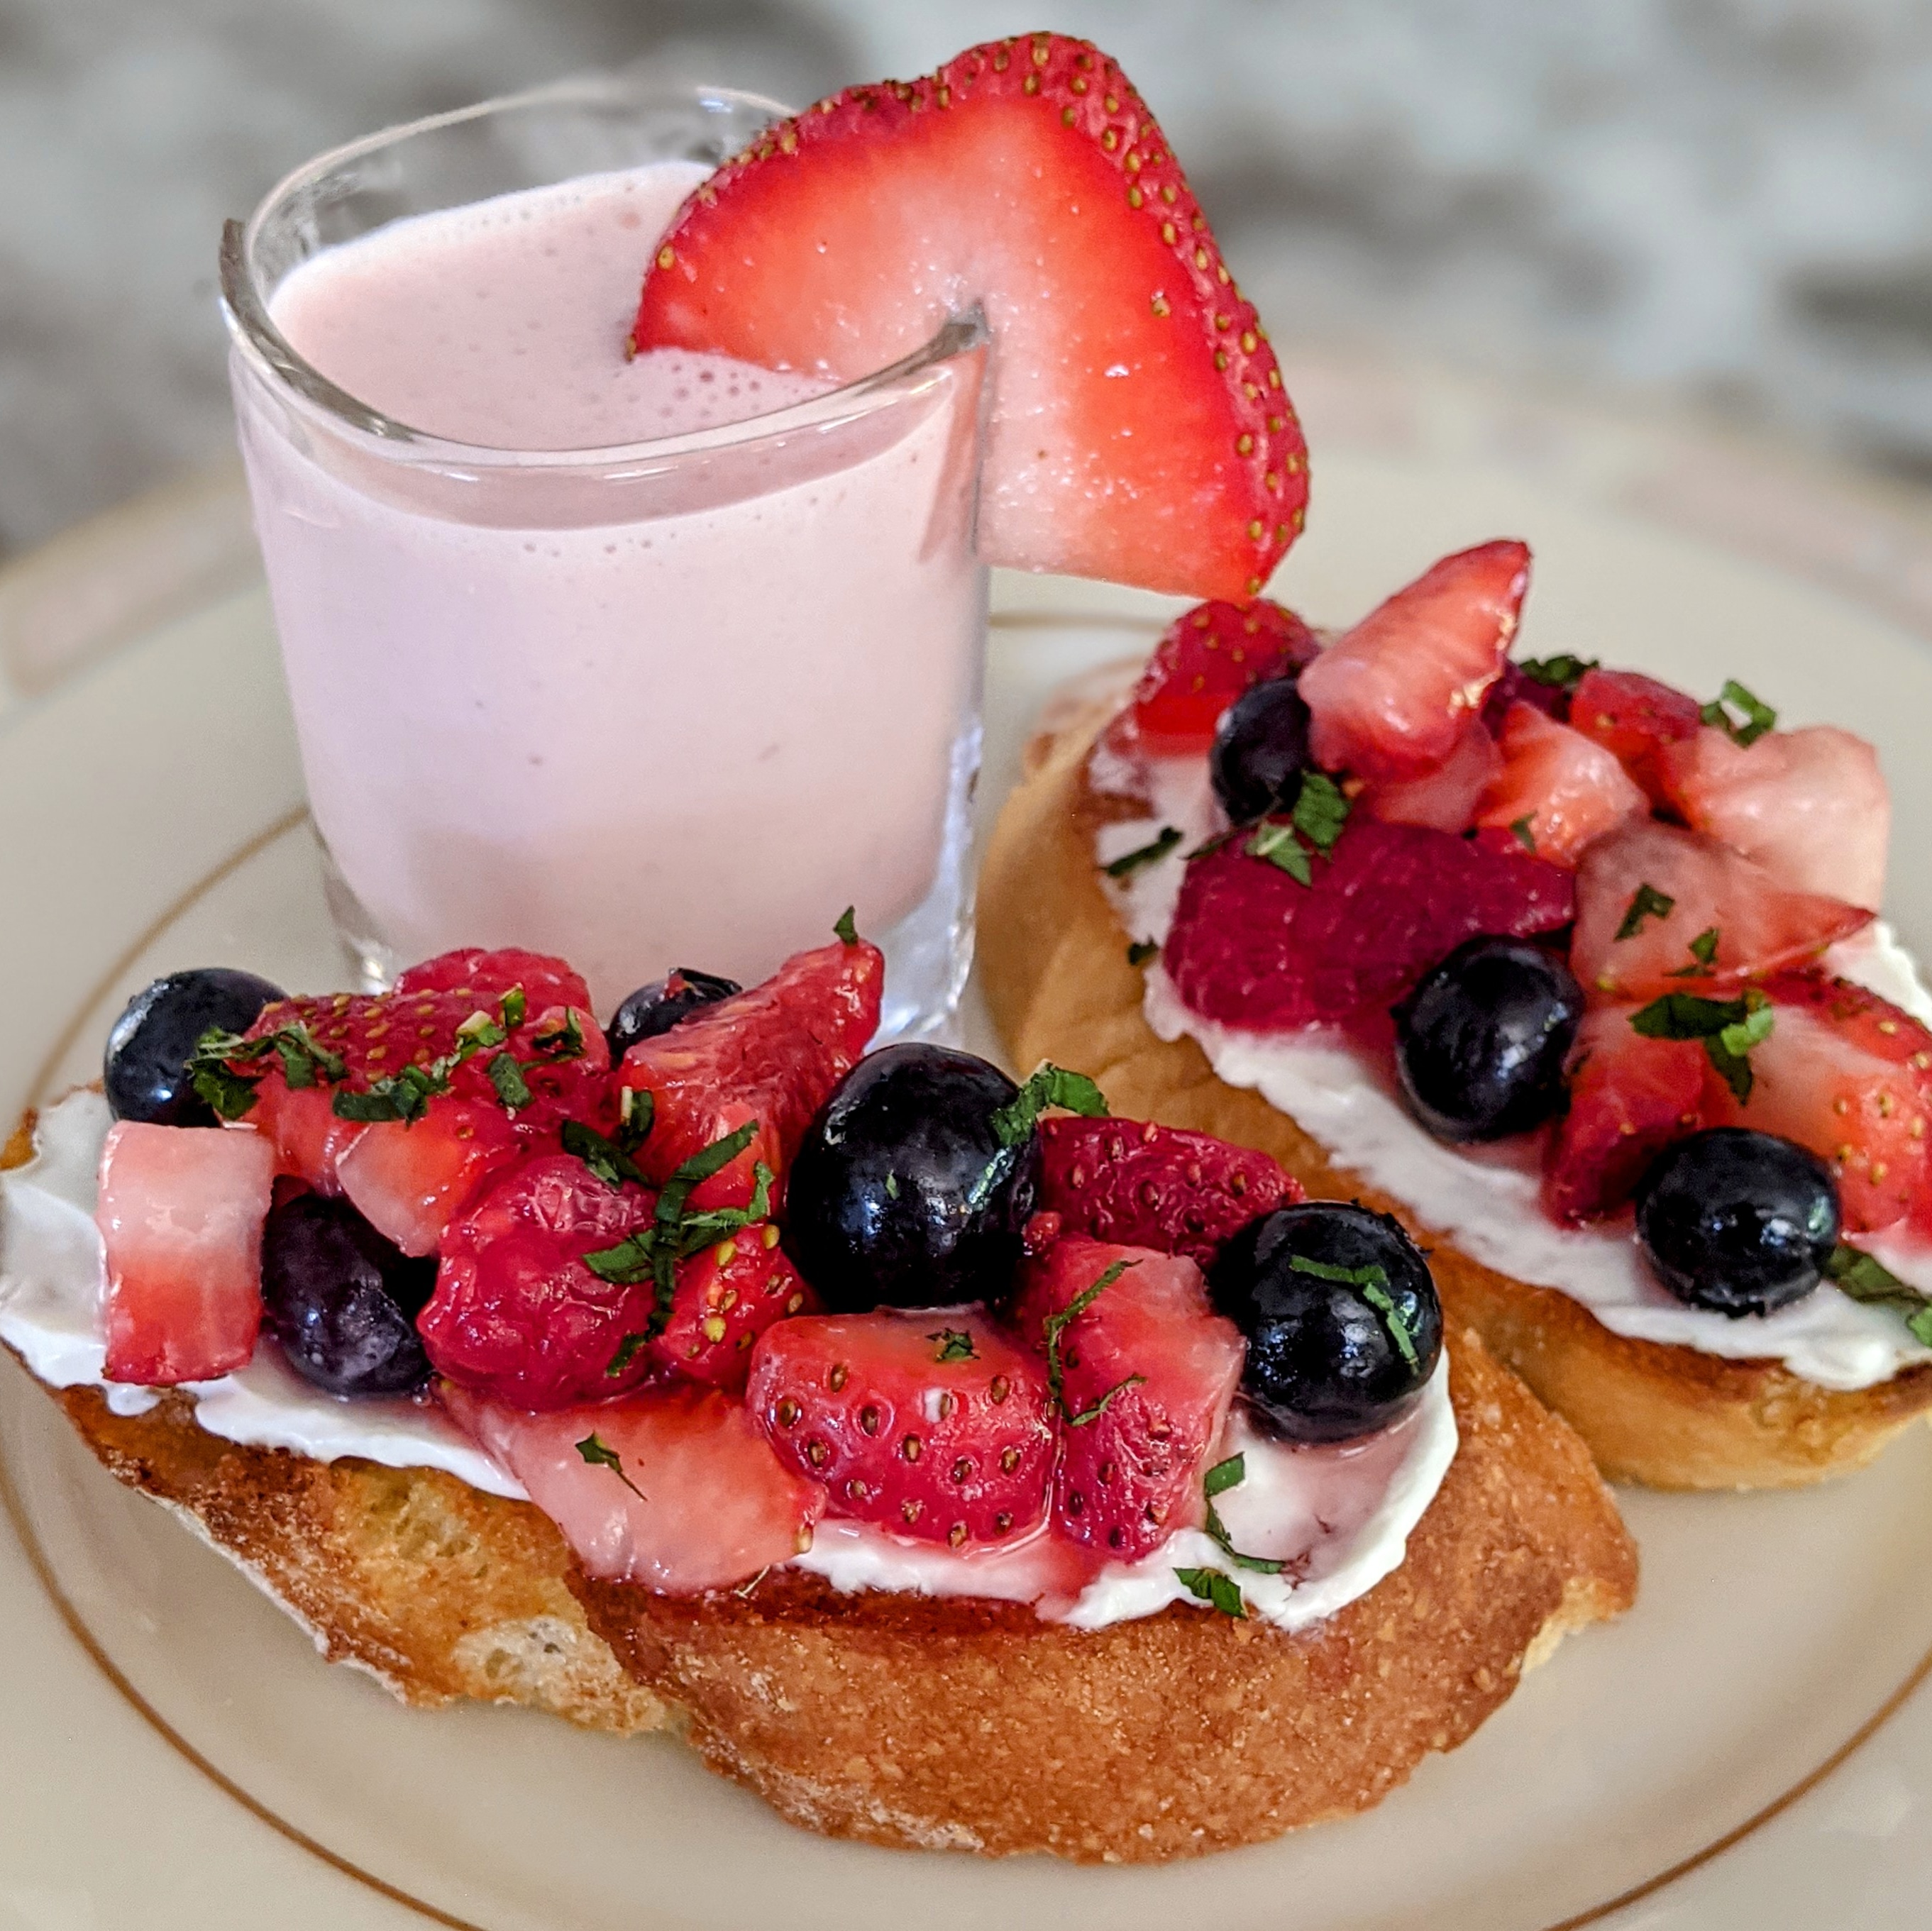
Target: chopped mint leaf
x=1704, y=946
x=955, y=1344
x=627, y=1353
x=1225, y=1475
x=637, y=1107
x=1867, y=1279
x=507, y=1077
x=302, y=1059
x=1141, y=951
x=1560, y=673
x=1219, y=1480
x=478, y=1033
x=1524, y=828
x=1210, y=1585
x=605, y=1158
x=843, y=929
x=1370, y=1276
x=892, y=1186
x=595, y=1450
x=1321, y=811
x=231, y=1094
x=1647, y=902
x=1208, y=847
x=1055, y=1325
x=563, y=1041
x=514, y=1006
x=1758, y=716
x=1049, y=1086
x=625, y=1264
x=1128, y=863
x=1106, y=1400
x=1729, y=1029
x=1276, y=842
x=1383, y=1302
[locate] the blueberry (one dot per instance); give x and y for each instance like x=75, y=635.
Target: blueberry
x=1342, y=1319
x=1481, y=1041
x=902, y=1194
x=1261, y=750
x=145, y=1071
x=1738, y=1222
x=342, y=1300
x=664, y=1003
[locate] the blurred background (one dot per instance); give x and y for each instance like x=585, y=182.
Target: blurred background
x=1724, y=205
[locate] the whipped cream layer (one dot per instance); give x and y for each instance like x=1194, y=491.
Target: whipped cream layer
x=1487, y=1200
x=1339, y=1518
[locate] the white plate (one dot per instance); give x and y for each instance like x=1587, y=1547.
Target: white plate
x=1749, y=1748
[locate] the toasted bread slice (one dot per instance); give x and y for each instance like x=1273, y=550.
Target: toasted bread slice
x=1053, y=960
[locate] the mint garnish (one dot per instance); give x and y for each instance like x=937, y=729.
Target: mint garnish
x=1128, y=863
x=1758, y=716
x=1049, y=1086
x=1867, y=1279
x=600, y=1454
x=1646, y=902
x=1560, y=673
x=1211, y=1586
x=1729, y=1029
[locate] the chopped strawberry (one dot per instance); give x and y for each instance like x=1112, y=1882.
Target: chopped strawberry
x=486, y=977
x=407, y=1178
x=516, y=1315
x=771, y=1054
x=1208, y=657
x=1251, y=946
x=1146, y=1185
x=1517, y=686
x=1699, y=917
x=675, y=1490
x=1139, y=431
x=1810, y=806
x=1873, y=1024
x=1636, y=717
x=1389, y=699
x=933, y=1425
x=725, y=1298
x=1445, y=799
x=1558, y=789
x=301, y=1123
x=1147, y=1372
x=1630, y=1097
x=180, y=1211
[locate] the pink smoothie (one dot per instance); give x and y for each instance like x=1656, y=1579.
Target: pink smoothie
x=655, y=711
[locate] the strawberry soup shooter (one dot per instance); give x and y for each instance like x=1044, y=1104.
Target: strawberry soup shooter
x=626, y=515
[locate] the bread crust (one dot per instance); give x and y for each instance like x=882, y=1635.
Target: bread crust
x=1052, y=959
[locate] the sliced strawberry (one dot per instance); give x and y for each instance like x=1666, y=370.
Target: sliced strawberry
x=1630, y=1097
x=1760, y=927
x=1208, y=657
x=1873, y=1025
x=1445, y=799
x=1636, y=717
x=1810, y=806
x=486, y=977
x=725, y=1298
x=517, y=1315
x=934, y=1425
x=180, y=1210
x=771, y=1054
x=1147, y=1372
x=1139, y=431
x=1390, y=699
x=1250, y=946
x=1557, y=790
x=1145, y=1186
x=407, y=1178
x=675, y=1490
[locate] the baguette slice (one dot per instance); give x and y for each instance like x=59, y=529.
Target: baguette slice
x=1053, y=960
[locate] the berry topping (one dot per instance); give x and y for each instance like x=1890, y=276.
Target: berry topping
x=665, y=1003
x=1481, y=1041
x=1546, y=684
x=1557, y=790
x=1635, y=718
x=1143, y=1186
x=1251, y=946
x=1260, y=751
x=1139, y=431
x=484, y=977
x=517, y=1314
x=1342, y=1319
x=146, y=1073
x=1390, y=699
x=724, y=1298
x=407, y=1178
x=1141, y=1371
x=1738, y=1222
x=1658, y=908
x=1208, y=657
x=909, y=1190
x=934, y=1426
x=1445, y=799
x=675, y=1490
x=342, y=1300
x=180, y=1214
x=769, y=1056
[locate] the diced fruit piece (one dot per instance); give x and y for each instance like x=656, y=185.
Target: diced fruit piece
x=1810, y=806
x=1140, y=1184
x=180, y=1211
x=1517, y=686
x=1251, y=946
x=664, y=1003
x=487, y=975
x=1557, y=790
x=1148, y=1372
x=1726, y=920
x=1139, y=432
x=1260, y=751
x=772, y=1055
x=342, y=1300
x=675, y=1490
x=1343, y=1325
x=1207, y=658
x=1857, y=1014
x=407, y=1178
x=1630, y=1097
x=1445, y=799
x=1390, y=698
x=725, y=1298
x=300, y=1122
x=1635, y=718
x=1737, y=1222
x=903, y=1193
x=934, y=1426
x=516, y=1313
x=146, y=1070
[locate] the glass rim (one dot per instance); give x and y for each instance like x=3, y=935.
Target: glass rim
x=256, y=338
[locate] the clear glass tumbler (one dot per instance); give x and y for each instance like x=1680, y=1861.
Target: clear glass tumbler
x=674, y=704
